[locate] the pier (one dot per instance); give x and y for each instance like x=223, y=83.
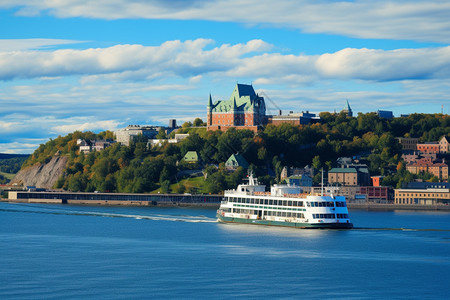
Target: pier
x=114, y=198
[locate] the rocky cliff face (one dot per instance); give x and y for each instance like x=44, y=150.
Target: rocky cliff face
x=42, y=175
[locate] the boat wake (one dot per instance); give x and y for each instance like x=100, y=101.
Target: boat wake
x=400, y=229
x=154, y=217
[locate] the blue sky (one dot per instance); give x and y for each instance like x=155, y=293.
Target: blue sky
x=101, y=65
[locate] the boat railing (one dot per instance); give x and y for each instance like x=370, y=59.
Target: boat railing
x=319, y=194
x=261, y=193
x=301, y=195
x=234, y=192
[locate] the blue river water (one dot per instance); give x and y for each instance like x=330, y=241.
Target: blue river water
x=100, y=252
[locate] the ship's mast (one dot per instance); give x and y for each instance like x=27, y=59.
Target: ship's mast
x=322, y=183
x=251, y=180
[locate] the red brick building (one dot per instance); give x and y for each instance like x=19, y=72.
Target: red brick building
x=375, y=193
x=431, y=147
x=244, y=110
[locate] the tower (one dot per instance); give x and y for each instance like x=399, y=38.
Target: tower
x=347, y=109
x=209, y=108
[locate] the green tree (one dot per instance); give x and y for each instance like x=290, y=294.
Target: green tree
x=198, y=122
x=165, y=186
x=316, y=163
x=161, y=134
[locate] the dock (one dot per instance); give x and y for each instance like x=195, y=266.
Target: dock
x=113, y=198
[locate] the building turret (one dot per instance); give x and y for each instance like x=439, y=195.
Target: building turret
x=209, y=109
x=210, y=104
x=347, y=109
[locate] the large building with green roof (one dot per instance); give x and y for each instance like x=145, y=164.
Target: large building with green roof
x=245, y=109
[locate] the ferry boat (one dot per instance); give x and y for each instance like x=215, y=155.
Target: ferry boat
x=284, y=205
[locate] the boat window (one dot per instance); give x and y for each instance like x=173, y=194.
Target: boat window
x=275, y=202
x=290, y=203
x=342, y=216
x=308, y=204
x=300, y=203
x=270, y=202
x=266, y=202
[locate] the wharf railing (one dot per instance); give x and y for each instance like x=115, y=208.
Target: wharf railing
x=153, y=198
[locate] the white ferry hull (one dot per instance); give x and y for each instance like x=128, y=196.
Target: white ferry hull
x=337, y=225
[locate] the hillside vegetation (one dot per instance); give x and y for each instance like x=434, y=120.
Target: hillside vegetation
x=138, y=169
x=10, y=164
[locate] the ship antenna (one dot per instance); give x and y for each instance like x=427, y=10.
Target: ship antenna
x=322, y=182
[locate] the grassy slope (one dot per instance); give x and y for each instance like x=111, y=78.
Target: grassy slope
x=7, y=175
x=189, y=183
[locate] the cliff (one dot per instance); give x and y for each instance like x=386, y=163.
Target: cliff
x=42, y=175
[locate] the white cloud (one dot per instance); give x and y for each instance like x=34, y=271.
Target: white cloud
x=29, y=44
x=22, y=146
x=86, y=124
x=191, y=59
x=420, y=20
x=369, y=64
x=359, y=64
x=132, y=61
